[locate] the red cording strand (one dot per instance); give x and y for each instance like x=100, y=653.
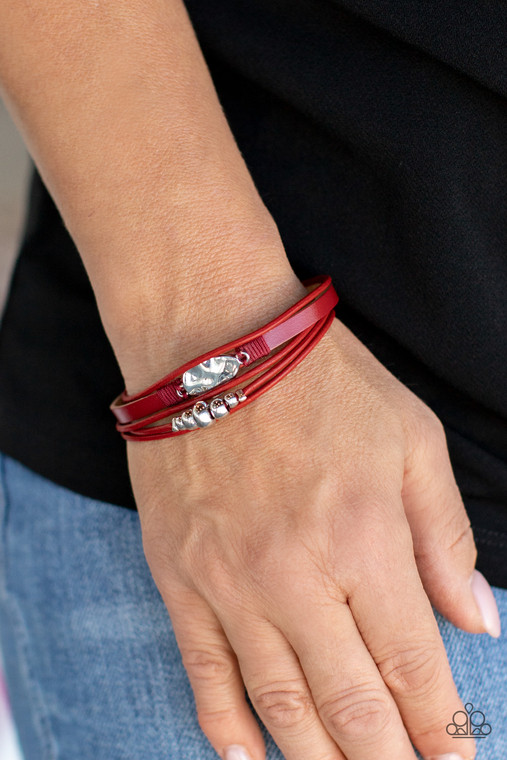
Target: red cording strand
x=311, y=307
x=165, y=431
x=302, y=334
x=212, y=392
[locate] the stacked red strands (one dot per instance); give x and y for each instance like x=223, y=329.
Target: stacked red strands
x=189, y=393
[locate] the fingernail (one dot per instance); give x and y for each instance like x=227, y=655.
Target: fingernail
x=449, y=756
x=486, y=603
x=238, y=752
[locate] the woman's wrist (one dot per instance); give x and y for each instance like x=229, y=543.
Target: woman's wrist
x=163, y=322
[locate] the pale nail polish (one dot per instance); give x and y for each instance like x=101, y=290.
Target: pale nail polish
x=238, y=752
x=449, y=756
x=487, y=605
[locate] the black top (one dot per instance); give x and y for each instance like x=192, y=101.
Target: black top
x=376, y=133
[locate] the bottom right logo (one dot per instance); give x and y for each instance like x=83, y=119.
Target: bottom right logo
x=471, y=723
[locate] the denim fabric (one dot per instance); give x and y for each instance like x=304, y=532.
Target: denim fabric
x=92, y=665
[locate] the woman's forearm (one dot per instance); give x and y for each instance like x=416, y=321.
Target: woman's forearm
x=118, y=110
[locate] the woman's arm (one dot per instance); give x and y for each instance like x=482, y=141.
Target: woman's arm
x=297, y=545
x=119, y=112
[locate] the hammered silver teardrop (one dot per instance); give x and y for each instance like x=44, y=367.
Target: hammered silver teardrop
x=210, y=373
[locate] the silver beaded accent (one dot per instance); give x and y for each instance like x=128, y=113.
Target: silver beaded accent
x=177, y=424
x=231, y=400
x=202, y=414
x=188, y=419
x=218, y=408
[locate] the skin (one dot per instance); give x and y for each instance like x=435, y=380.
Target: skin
x=300, y=544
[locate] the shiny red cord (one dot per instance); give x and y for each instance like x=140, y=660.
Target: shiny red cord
x=129, y=408
x=252, y=391
x=272, y=369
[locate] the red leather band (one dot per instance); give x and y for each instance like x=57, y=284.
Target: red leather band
x=253, y=391
x=273, y=361
x=151, y=404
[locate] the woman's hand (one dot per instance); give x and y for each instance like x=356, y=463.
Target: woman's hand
x=297, y=546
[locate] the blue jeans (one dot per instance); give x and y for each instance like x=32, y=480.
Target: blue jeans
x=92, y=664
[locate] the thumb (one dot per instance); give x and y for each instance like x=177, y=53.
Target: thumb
x=444, y=545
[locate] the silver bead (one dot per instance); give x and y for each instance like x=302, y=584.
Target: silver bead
x=241, y=396
x=188, y=419
x=218, y=408
x=201, y=414
x=231, y=399
x=177, y=424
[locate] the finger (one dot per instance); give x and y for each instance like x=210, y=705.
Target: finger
x=278, y=689
x=405, y=643
x=444, y=545
x=212, y=668
x=315, y=686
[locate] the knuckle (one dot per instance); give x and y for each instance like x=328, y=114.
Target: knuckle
x=256, y=549
x=414, y=669
x=213, y=576
x=213, y=721
x=454, y=537
x=426, y=430
x=282, y=705
x=432, y=433
x=434, y=427
x=357, y=712
x=459, y=542
x=464, y=542
x=207, y=666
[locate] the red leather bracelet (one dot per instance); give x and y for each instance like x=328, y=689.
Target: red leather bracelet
x=273, y=361
x=299, y=327
x=257, y=344
x=168, y=431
